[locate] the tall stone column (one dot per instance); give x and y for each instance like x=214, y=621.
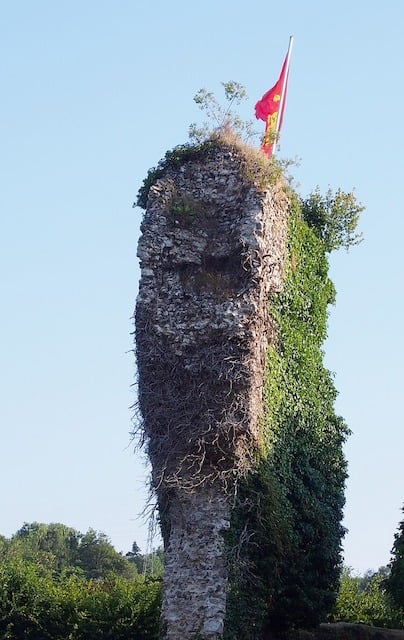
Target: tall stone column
x=211, y=254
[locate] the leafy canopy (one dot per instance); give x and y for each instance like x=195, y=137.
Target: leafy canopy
x=61, y=549
x=333, y=217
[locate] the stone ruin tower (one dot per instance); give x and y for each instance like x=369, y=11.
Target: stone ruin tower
x=211, y=252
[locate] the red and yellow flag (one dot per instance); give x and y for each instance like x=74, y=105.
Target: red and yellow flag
x=271, y=108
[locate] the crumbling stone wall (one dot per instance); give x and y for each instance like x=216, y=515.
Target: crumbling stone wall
x=211, y=253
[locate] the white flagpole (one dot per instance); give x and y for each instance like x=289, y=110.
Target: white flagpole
x=282, y=100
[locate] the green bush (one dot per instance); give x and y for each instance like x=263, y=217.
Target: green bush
x=40, y=606
x=365, y=602
x=30, y=604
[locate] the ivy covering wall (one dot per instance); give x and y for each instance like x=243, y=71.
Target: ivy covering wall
x=286, y=532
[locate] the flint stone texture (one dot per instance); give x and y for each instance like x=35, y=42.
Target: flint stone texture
x=211, y=253
x=194, y=600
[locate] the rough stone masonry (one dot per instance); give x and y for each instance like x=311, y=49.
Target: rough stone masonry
x=211, y=253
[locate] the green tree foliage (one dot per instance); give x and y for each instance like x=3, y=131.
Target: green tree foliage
x=98, y=558
x=150, y=564
x=135, y=557
x=364, y=600
x=52, y=545
x=333, y=217
x=395, y=581
x=58, y=584
x=63, y=549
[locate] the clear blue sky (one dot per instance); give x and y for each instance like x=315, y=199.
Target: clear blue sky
x=93, y=94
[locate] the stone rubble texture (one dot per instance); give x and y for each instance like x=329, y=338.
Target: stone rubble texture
x=211, y=253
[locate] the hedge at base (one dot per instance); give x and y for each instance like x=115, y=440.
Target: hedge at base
x=37, y=606
x=285, y=541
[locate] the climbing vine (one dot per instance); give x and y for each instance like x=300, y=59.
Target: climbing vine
x=287, y=523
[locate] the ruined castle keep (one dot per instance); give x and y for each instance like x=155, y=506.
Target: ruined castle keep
x=212, y=253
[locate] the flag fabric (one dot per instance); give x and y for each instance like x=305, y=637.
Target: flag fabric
x=271, y=107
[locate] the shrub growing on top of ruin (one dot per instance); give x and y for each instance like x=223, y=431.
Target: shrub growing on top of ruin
x=221, y=118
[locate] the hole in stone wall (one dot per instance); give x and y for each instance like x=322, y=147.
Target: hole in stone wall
x=218, y=275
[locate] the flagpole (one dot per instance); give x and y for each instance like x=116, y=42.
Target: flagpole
x=282, y=100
